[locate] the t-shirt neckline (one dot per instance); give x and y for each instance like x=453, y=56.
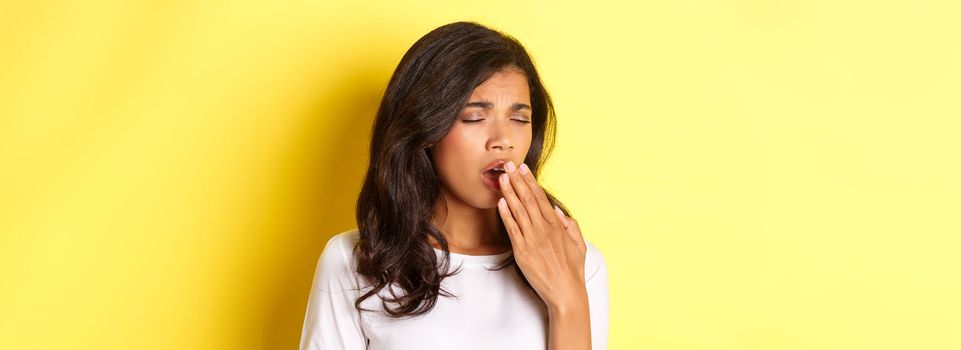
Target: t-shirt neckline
x=474, y=259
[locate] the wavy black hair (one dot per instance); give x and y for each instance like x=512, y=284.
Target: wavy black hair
x=425, y=96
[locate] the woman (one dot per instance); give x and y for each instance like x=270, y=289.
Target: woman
x=463, y=127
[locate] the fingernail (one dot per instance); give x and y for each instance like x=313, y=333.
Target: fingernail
x=502, y=203
x=524, y=169
x=510, y=166
x=503, y=178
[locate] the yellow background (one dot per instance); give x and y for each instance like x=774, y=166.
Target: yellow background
x=758, y=174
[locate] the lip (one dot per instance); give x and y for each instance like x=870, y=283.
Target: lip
x=500, y=162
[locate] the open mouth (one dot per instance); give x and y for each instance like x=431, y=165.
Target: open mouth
x=491, y=179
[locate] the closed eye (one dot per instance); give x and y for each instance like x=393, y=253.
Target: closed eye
x=479, y=120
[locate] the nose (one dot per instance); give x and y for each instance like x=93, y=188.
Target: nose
x=500, y=138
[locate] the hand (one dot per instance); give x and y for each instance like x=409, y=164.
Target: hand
x=548, y=245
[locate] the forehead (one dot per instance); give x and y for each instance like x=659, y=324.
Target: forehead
x=507, y=83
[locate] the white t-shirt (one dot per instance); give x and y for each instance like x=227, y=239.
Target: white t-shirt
x=494, y=310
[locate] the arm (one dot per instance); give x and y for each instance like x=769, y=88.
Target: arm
x=331, y=321
x=583, y=322
x=599, y=297
x=570, y=324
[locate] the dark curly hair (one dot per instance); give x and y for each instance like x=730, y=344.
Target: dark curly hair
x=426, y=93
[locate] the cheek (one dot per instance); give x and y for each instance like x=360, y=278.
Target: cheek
x=453, y=151
x=456, y=136
x=453, y=144
x=525, y=145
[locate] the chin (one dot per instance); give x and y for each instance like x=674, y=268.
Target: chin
x=492, y=202
x=487, y=201
x=481, y=198
x=492, y=205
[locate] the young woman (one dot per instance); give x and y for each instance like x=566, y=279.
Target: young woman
x=463, y=127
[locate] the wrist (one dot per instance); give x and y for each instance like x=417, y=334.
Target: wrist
x=574, y=304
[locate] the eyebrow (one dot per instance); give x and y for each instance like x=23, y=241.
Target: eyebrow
x=488, y=105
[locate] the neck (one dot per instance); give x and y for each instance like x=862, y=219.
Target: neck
x=467, y=228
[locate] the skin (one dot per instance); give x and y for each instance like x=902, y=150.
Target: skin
x=548, y=246
x=467, y=209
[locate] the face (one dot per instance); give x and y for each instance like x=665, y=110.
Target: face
x=495, y=124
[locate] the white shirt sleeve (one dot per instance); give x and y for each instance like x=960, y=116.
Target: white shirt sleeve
x=331, y=320
x=598, y=298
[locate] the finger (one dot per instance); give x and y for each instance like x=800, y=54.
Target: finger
x=560, y=216
x=540, y=197
x=516, y=236
x=524, y=193
x=575, y=231
x=572, y=229
x=518, y=212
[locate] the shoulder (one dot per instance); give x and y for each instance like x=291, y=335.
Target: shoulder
x=338, y=252
x=598, y=294
x=344, y=241
x=336, y=265
x=594, y=262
